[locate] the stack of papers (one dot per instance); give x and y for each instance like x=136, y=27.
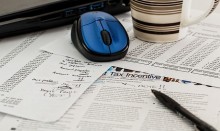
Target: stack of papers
x=47, y=87
x=195, y=58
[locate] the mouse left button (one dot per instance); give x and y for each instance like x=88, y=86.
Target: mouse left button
x=87, y=18
x=93, y=40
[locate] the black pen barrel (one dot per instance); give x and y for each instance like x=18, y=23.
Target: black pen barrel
x=200, y=124
x=176, y=107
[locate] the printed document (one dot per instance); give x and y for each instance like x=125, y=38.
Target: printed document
x=39, y=85
x=122, y=100
x=195, y=58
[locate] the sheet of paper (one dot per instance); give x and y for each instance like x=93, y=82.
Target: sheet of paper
x=128, y=105
x=16, y=52
x=40, y=85
x=121, y=100
x=65, y=123
x=47, y=93
x=194, y=58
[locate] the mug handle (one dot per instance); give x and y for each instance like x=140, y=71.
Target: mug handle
x=189, y=21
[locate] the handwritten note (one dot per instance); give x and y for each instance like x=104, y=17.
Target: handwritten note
x=51, y=88
x=39, y=85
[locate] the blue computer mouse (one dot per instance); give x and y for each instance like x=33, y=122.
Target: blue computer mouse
x=100, y=37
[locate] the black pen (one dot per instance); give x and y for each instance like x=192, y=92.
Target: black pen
x=177, y=108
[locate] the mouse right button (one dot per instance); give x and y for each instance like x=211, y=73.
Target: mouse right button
x=119, y=37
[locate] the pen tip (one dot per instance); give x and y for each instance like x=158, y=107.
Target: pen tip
x=153, y=91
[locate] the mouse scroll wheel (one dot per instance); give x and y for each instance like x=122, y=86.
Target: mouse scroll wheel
x=106, y=37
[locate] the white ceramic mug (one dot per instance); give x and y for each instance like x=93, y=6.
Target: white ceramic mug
x=164, y=20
